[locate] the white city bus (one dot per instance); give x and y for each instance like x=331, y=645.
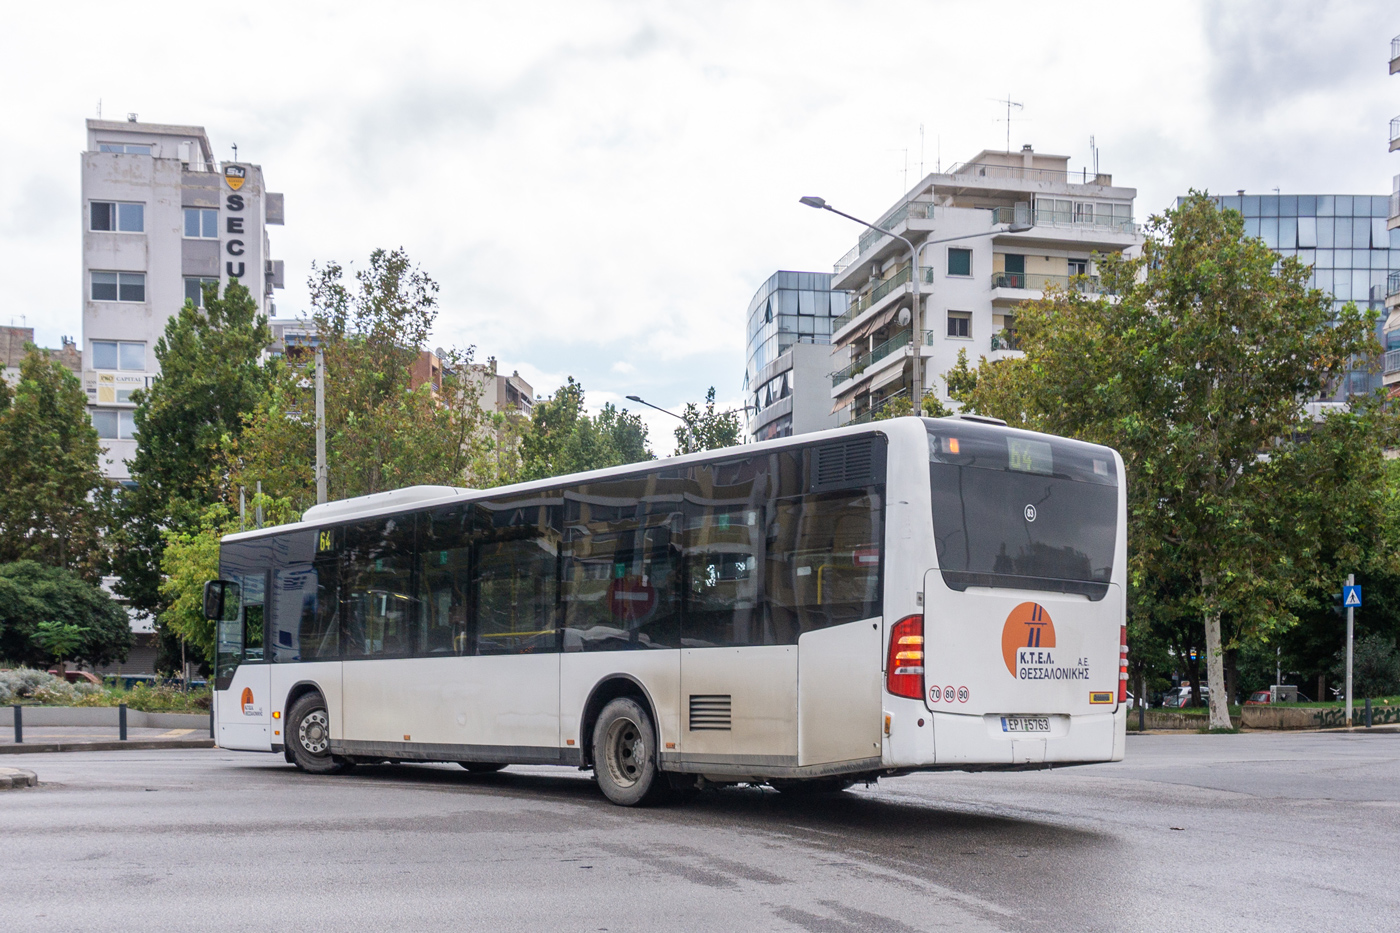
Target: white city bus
x=913, y=595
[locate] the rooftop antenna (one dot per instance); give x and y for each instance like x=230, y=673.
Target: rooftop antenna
x=1009, y=104
x=938, y=142
x=99, y=108
x=921, y=150
x=1095, y=151
x=235, y=152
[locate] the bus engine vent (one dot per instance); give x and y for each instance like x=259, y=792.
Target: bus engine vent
x=850, y=465
x=709, y=712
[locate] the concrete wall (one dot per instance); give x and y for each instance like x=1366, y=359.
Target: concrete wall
x=108, y=716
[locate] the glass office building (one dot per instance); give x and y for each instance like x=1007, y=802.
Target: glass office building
x=1344, y=238
x=790, y=308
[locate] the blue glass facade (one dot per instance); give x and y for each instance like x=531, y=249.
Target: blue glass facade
x=789, y=308
x=1343, y=237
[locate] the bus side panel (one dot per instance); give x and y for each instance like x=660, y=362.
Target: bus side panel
x=244, y=710
x=324, y=674
x=758, y=687
x=838, y=684
x=502, y=700
x=659, y=673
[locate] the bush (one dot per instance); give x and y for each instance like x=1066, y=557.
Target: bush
x=1375, y=666
x=21, y=683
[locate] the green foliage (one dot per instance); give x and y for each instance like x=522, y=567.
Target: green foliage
x=1197, y=374
x=160, y=697
x=53, y=498
x=563, y=438
x=1375, y=666
x=961, y=379
x=899, y=407
x=706, y=429
x=188, y=423
x=382, y=433
x=38, y=602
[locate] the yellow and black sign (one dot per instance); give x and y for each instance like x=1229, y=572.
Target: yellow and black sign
x=1100, y=696
x=234, y=175
x=325, y=540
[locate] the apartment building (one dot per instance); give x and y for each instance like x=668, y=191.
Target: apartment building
x=989, y=234
x=14, y=340
x=788, y=355
x=161, y=217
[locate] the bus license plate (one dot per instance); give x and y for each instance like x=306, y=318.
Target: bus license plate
x=1025, y=724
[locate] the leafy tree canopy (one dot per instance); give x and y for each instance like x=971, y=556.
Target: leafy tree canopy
x=53, y=497
x=50, y=614
x=705, y=428
x=563, y=438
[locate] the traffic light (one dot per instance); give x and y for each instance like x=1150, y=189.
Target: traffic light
x=1338, y=609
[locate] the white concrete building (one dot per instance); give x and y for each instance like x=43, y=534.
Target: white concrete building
x=971, y=286
x=160, y=217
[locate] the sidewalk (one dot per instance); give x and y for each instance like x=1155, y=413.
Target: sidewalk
x=99, y=738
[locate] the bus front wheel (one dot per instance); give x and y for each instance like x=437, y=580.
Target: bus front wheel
x=624, y=755
x=309, y=737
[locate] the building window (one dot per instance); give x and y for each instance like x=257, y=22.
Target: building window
x=129, y=149
x=959, y=324
x=113, y=354
x=114, y=423
x=119, y=286
x=959, y=261
x=123, y=216
x=1079, y=267
x=201, y=223
x=194, y=289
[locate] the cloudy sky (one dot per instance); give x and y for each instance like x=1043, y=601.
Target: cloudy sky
x=601, y=187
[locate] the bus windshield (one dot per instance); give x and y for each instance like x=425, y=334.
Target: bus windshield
x=1017, y=509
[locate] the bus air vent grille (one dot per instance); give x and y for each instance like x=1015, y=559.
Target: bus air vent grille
x=849, y=465
x=709, y=712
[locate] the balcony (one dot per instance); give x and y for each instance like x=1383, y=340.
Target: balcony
x=870, y=413
x=1395, y=55
x=1063, y=219
x=864, y=300
x=1392, y=285
x=1394, y=134
x=1020, y=173
x=1005, y=340
x=1392, y=362
x=1033, y=281
x=866, y=360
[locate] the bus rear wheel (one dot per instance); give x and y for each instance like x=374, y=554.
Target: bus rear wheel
x=309, y=737
x=624, y=755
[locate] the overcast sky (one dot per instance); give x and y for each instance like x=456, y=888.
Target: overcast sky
x=601, y=187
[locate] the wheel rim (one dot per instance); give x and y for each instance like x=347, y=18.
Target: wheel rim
x=625, y=752
x=314, y=732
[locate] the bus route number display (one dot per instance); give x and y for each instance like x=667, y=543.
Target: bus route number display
x=1025, y=456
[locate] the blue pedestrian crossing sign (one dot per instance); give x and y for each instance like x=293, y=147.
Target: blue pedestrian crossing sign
x=1351, y=597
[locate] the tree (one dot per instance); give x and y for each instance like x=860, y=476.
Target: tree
x=53, y=497
x=902, y=406
x=563, y=438
x=1375, y=666
x=212, y=377
x=707, y=429
x=1195, y=365
x=41, y=606
x=383, y=431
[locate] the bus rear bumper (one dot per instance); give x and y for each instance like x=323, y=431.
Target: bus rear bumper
x=986, y=740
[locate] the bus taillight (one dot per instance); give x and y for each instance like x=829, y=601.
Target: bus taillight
x=904, y=674
x=1123, y=664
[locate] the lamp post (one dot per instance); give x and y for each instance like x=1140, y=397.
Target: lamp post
x=641, y=401
x=916, y=382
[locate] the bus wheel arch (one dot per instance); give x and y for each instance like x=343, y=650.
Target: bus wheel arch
x=310, y=709
x=604, y=692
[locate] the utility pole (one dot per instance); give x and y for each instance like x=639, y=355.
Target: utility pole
x=1351, y=581
x=320, y=426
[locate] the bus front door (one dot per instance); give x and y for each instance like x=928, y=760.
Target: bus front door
x=242, y=679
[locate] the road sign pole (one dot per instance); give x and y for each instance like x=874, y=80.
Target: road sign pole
x=1351, y=611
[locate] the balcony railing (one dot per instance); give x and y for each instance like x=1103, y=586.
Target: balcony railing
x=1392, y=361
x=1049, y=218
x=917, y=210
x=864, y=300
x=844, y=263
x=1005, y=340
x=1395, y=133
x=1395, y=55
x=1392, y=284
x=1034, y=281
x=866, y=360
x=878, y=407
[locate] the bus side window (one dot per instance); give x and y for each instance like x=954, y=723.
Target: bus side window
x=515, y=577
x=254, y=618
x=444, y=582
x=377, y=561
x=824, y=556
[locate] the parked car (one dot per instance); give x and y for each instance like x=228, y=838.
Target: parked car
x=76, y=677
x=1180, y=698
x=1266, y=698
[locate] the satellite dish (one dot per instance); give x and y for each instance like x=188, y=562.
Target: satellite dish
x=905, y=316
x=438, y=353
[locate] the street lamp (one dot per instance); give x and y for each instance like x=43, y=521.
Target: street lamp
x=690, y=431
x=916, y=383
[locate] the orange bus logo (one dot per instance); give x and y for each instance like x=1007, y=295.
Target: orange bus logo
x=1028, y=626
x=246, y=700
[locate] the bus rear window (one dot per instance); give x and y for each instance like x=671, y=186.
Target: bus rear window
x=1014, y=509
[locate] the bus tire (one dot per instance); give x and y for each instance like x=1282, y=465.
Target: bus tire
x=810, y=787
x=309, y=737
x=624, y=755
x=482, y=767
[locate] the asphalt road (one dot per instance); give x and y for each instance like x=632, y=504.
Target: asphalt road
x=1190, y=833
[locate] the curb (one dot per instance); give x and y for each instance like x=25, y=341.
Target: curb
x=133, y=745
x=15, y=778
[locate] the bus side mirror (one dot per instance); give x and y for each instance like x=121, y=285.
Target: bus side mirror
x=219, y=595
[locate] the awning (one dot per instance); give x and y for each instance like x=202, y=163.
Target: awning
x=893, y=374
x=874, y=324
